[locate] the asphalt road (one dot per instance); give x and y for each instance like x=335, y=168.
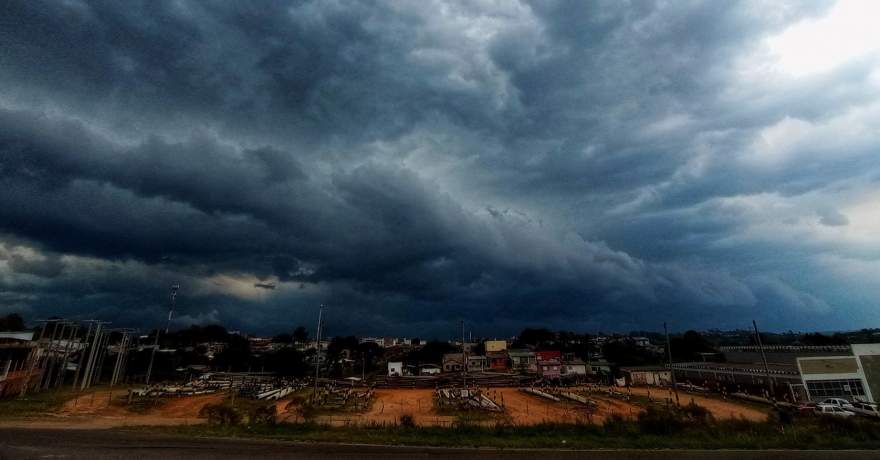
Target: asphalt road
x=17, y=443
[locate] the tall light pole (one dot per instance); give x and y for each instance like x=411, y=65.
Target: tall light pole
x=464, y=360
x=671, y=370
x=764, y=359
x=174, y=289
x=318, y=349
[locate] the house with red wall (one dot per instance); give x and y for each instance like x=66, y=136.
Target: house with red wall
x=548, y=355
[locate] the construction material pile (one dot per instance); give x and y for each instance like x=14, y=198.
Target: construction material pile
x=479, y=379
x=344, y=397
x=273, y=389
x=256, y=385
x=466, y=399
x=579, y=395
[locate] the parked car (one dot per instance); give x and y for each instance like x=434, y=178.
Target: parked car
x=807, y=408
x=863, y=408
x=829, y=409
x=839, y=402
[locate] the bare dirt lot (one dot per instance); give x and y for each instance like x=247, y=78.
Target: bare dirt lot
x=721, y=409
x=103, y=409
x=526, y=409
x=390, y=404
x=95, y=409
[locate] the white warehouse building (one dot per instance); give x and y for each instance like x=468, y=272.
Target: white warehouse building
x=855, y=377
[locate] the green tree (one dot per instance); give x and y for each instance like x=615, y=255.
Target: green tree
x=286, y=362
x=536, y=337
x=432, y=352
x=688, y=346
x=236, y=356
x=300, y=335
x=11, y=322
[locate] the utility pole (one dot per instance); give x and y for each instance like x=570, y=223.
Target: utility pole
x=33, y=361
x=764, y=359
x=60, y=379
x=671, y=370
x=102, y=354
x=49, y=363
x=174, y=289
x=318, y=350
x=120, y=358
x=464, y=361
x=90, y=365
x=82, y=353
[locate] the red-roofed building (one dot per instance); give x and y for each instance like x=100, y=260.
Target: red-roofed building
x=548, y=355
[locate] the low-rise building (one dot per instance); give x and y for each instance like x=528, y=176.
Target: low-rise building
x=574, y=367
x=377, y=340
x=495, y=345
x=548, y=355
x=477, y=363
x=498, y=360
x=550, y=368
x=855, y=377
x=600, y=365
x=17, y=350
x=395, y=368
x=452, y=362
x=522, y=360
x=647, y=376
x=429, y=369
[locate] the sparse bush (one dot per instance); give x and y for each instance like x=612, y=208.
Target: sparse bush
x=850, y=426
x=303, y=408
x=220, y=414
x=781, y=416
x=407, y=421
x=660, y=421
x=263, y=415
x=694, y=413
x=616, y=424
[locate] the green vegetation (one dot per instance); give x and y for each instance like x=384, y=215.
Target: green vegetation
x=657, y=430
x=35, y=403
x=11, y=322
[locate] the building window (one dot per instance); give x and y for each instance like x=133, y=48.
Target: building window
x=835, y=388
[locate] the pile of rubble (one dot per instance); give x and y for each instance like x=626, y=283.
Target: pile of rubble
x=252, y=385
x=466, y=399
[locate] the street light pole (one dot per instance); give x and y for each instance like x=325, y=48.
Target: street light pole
x=318, y=350
x=671, y=370
x=174, y=289
x=764, y=359
x=464, y=360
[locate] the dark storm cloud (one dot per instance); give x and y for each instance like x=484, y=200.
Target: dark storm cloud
x=515, y=163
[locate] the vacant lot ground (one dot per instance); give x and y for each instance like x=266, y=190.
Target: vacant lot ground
x=102, y=409
x=527, y=409
x=721, y=409
x=390, y=404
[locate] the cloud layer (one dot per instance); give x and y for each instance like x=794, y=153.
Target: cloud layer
x=589, y=166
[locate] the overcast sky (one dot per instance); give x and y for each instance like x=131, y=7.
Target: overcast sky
x=580, y=165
